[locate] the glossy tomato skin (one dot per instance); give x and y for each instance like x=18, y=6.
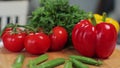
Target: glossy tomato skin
x=37, y=43
x=7, y=30
x=58, y=38
x=14, y=42
x=99, y=40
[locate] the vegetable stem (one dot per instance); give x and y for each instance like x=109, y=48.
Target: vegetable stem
x=28, y=27
x=104, y=17
x=92, y=18
x=14, y=28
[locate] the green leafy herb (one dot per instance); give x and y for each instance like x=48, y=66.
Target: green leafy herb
x=53, y=13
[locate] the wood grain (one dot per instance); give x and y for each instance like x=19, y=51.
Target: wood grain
x=7, y=58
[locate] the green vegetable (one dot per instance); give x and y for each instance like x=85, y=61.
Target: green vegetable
x=68, y=64
x=19, y=61
x=87, y=60
x=53, y=13
x=78, y=64
x=31, y=65
x=52, y=63
x=40, y=59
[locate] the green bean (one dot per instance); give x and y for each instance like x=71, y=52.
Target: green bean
x=18, y=61
x=31, y=65
x=40, y=59
x=68, y=64
x=52, y=63
x=87, y=60
x=78, y=64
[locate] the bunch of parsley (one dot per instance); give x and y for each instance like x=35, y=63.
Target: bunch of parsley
x=53, y=13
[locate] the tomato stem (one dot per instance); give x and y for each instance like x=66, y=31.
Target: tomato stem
x=14, y=28
x=28, y=27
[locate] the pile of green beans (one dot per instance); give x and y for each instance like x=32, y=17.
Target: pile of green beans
x=74, y=61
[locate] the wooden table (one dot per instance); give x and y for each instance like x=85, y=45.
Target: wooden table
x=7, y=58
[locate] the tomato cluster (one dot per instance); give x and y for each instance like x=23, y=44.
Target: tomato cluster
x=16, y=40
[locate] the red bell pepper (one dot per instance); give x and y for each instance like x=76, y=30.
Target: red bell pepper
x=94, y=40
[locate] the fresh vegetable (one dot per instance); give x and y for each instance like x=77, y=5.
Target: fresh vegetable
x=37, y=43
x=78, y=64
x=38, y=60
x=87, y=60
x=13, y=39
x=68, y=64
x=99, y=19
x=53, y=13
x=58, y=38
x=6, y=28
x=52, y=63
x=5, y=31
x=31, y=65
x=10, y=29
x=19, y=61
x=94, y=40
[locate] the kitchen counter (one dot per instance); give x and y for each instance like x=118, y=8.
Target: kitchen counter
x=7, y=58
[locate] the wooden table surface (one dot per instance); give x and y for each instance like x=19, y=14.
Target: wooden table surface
x=7, y=58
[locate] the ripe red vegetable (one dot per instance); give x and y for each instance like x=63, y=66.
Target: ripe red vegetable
x=5, y=31
x=10, y=29
x=98, y=40
x=37, y=43
x=58, y=38
x=14, y=41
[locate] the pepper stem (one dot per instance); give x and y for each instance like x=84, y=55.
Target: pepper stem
x=92, y=18
x=104, y=16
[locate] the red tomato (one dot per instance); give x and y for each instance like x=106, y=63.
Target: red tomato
x=14, y=42
x=7, y=30
x=37, y=43
x=58, y=38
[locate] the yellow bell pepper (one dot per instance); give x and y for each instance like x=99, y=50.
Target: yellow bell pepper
x=109, y=20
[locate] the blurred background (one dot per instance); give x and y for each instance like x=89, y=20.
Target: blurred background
x=20, y=9
x=96, y=6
